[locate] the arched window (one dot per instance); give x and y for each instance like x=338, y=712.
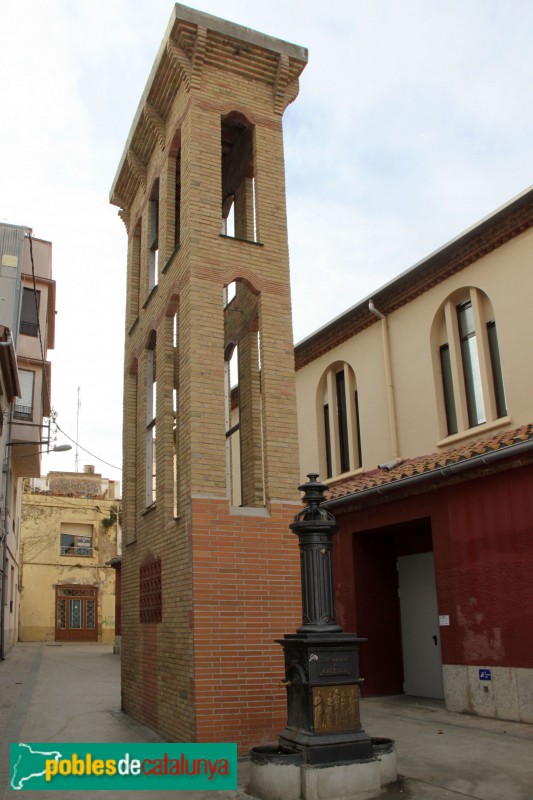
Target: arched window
x=470, y=379
x=338, y=421
x=238, y=178
x=244, y=420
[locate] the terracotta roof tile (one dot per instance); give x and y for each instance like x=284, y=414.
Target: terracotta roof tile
x=408, y=468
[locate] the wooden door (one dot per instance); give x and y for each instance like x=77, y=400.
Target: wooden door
x=76, y=614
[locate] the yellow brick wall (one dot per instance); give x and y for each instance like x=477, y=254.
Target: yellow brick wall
x=230, y=578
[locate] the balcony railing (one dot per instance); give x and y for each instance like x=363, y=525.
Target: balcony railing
x=76, y=551
x=25, y=412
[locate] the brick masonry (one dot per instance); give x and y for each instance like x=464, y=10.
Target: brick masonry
x=210, y=669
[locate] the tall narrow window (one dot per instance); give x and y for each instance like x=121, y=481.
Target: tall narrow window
x=153, y=239
x=29, y=313
x=134, y=279
x=24, y=406
x=342, y=421
x=447, y=383
x=471, y=369
x=177, y=205
x=244, y=412
x=238, y=178
x=233, y=461
x=12, y=593
x=341, y=450
x=151, y=403
x=358, y=428
x=327, y=436
x=499, y=389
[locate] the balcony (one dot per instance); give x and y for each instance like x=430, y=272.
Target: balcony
x=23, y=412
x=76, y=551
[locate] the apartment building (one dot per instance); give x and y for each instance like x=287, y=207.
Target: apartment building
x=69, y=531
x=27, y=318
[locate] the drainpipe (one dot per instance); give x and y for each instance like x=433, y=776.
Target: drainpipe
x=388, y=377
x=4, y=524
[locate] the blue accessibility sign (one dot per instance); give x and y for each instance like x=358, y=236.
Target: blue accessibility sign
x=485, y=675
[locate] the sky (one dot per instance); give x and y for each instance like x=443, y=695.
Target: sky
x=414, y=121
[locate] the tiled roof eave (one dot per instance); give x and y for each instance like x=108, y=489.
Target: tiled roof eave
x=434, y=477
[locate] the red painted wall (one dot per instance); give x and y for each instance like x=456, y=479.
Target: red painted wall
x=482, y=537
x=487, y=583
x=378, y=614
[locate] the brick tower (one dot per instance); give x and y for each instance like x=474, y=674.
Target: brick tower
x=210, y=569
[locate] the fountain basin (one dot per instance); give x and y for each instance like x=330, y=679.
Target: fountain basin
x=279, y=773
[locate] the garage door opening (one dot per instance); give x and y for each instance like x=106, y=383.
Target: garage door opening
x=396, y=609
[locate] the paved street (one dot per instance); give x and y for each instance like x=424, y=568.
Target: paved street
x=71, y=693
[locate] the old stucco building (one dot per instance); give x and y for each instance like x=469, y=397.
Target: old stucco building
x=69, y=533
x=209, y=577
x=27, y=331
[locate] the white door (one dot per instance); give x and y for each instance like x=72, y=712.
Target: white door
x=422, y=661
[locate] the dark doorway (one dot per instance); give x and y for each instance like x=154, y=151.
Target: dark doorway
x=376, y=554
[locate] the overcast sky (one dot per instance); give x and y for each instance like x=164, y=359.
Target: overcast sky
x=414, y=120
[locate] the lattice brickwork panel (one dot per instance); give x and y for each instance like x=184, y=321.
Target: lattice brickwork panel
x=150, y=602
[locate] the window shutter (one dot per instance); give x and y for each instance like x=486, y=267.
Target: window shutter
x=26, y=387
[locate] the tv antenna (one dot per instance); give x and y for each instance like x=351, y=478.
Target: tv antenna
x=77, y=429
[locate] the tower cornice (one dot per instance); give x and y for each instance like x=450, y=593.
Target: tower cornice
x=193, y=42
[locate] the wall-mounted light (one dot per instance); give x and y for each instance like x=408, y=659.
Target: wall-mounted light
x=58, y=448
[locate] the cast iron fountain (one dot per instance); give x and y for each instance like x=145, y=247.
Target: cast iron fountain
x=323, y=734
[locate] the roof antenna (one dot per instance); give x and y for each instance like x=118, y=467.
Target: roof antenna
x=77, y=430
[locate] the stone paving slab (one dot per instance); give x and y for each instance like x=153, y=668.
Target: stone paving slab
x=71, y=693
x=459, y=755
